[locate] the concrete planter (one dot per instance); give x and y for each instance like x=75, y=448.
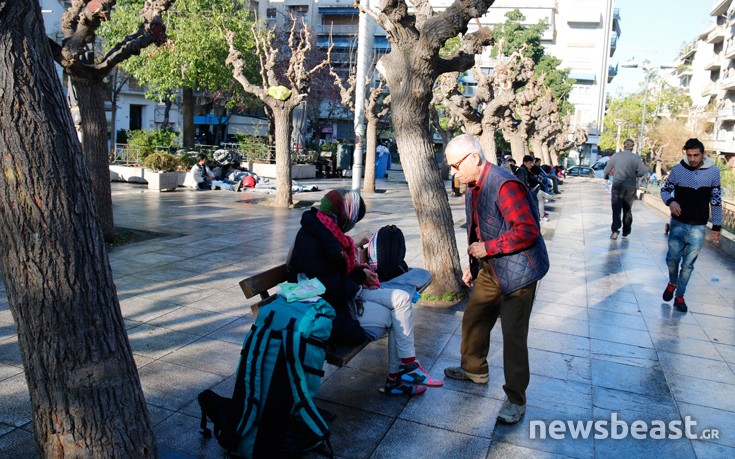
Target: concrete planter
x=162, y=181
x=127, y=174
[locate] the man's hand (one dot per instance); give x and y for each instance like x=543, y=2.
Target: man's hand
x=467, y=278
x=675, y=208
x=211, y=177
x=715, y=237
x=477, y=250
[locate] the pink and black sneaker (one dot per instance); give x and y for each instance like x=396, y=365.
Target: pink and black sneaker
x=414, y=374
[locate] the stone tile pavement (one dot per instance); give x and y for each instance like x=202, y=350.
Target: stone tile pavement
x=601, y=340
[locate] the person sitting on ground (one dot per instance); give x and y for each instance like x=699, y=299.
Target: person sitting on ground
x=364, y=310
x=204, y=177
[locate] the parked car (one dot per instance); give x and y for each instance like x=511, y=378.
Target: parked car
x=580, y=171
x=599, y=167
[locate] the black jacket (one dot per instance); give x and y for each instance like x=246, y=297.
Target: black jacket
x=317, y=253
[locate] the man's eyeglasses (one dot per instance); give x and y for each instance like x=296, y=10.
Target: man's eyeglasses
x=459, y=163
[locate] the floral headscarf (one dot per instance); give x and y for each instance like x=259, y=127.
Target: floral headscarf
x=346, y=206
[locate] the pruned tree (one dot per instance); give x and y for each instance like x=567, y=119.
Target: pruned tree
x=78, y=57
x=518, y=119
x=279, y=99
x=410, y=69
x=545, y=125
x=665, y=140
x=377, y=106
x=483, y=113
x=85, y=392
x=564, y=141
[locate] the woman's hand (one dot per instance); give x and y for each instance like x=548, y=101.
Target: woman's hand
x=370, y=276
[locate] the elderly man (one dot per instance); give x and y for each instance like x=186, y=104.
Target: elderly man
x=627, y=168
x=507, y=258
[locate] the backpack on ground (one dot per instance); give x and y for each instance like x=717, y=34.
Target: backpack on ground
x=386, y=253
x=272, y=412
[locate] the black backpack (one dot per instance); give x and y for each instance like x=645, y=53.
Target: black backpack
x=388, y=247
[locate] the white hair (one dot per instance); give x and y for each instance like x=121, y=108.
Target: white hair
x=466, y=142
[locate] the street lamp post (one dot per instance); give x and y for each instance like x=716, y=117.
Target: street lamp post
x=619, y=124
x=648, y=69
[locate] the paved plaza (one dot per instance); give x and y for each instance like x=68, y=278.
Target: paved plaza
x=601, y=340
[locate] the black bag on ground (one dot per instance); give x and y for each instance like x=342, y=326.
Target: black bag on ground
x=387, y=249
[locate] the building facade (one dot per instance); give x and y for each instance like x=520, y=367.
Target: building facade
x=705, y=67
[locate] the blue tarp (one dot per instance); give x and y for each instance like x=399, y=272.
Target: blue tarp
x=210, y=119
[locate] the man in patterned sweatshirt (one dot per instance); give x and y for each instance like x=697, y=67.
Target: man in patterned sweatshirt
x=692, y=188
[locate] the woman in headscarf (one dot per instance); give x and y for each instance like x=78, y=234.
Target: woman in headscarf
x=323, y=250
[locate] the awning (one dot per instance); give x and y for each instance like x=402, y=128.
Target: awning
x=210, y=119
x=339, y=42
x=341, y=11
x=582, y=76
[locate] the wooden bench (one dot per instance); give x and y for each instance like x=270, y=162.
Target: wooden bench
x=337, y=354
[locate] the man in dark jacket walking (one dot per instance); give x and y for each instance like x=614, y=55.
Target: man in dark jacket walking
x=507, y=258
x=627, y=167
x=691, y=189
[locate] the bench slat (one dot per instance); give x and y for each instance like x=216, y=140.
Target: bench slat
x=260, y=283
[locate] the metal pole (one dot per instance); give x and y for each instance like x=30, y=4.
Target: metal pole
x=364, y=46
x=643, y=117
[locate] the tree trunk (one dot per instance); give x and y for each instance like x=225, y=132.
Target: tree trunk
x=167, y=113
x=371, y=140
x=282, y=121
x=487, y=141
x=553, y=159
x=517, y=147
x=442, y=160
x=410, y=90
x=91, y=100
x=187, y=107
x=83, y=383
x=537, y=150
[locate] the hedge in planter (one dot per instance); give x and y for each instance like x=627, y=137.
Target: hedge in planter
x=162, y=175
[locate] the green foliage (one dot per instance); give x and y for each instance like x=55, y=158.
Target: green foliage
x=663, y=102
x=450, y=47
x=329, y=146
x=161, y=162
x=447, y=297
x=727, y=181
x=147, y=142
x=122, y=136
x=515, y=35
x=253, y=148
x=195, y=53
x=187, y=159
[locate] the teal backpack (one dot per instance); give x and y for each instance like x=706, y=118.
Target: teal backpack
x=272, y=412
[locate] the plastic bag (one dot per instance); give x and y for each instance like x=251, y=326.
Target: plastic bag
x=302, y=290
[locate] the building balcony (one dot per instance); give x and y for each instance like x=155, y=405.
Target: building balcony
x=709, y=90
x=728, y=83
x=335, y=30
x=719, y=7
x=716, y=35
x=612, y=73
x=722, y=146
x=584, y=15
x=729, y=52
x=726, y=114
x=714, y=63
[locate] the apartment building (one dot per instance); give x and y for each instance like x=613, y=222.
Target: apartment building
x=583, y=34
x=706, y=67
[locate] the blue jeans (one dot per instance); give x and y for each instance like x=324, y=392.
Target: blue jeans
x=685, y=242
x=218, y=183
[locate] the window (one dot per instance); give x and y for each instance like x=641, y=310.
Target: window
x=270, y=14
x=136, y=117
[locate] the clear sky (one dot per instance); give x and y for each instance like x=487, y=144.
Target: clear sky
x=655, y=30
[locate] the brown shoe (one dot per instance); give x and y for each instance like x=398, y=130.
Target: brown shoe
x=460, y=374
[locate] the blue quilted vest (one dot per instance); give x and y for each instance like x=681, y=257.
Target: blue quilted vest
x=511, y=271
